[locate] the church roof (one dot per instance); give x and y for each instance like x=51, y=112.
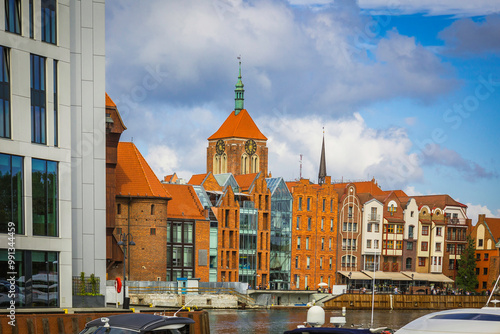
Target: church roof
x=134, y=177
x=238, y=126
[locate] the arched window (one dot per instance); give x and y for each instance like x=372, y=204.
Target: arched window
x=216, y=167
x=244, y=164
x=255, y=164
x=348, y=261
x=224, y=163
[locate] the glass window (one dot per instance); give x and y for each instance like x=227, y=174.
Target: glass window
x=296, y=262
x=32, y=19
x=322, y=243
x=13, y=16
x=188, y=233
x=410, y=231
x=399, y=229
x=324, y=204
x=45, y=197
x=322, y=223
x=425, y=230
x=45, y=279
x=300, y=203
x=308, y=204
x=298, y=242
x=424, y=246
x=438, y=231
x=438, y=246
x=38, y=100
x=331, y=224
x=331, y=205
x=368, y=243
x=308, y=262
x=408, y=263
x=309, y=223
x=409, y=245
x=56, y=137
x=188, y=257
x=4, y=93
x=298, y=223
x=375, y=245
x=307, y=242
x=369, y=227
x=399, y=244
x=486, y=256
x=11, y=193
x=48, y=12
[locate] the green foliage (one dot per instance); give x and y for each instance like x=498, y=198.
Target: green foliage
x=466, y=276
x=82, y=284
x=93, y=284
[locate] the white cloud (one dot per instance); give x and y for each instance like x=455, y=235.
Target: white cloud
x=353, y=150
x=473, y=210
x=303, y=60
x=430, y=7
x=411, y=191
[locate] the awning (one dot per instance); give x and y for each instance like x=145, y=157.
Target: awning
x=383, y=275
x=215, y=192
x=357, y=275
x=428, y=277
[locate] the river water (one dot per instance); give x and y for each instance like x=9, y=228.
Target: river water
x=264, y=321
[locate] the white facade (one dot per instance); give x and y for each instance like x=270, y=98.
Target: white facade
x=80, y=152
x=372, y=234
x=410, y=232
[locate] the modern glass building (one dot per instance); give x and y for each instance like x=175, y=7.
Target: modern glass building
x=281, y=234
x=248, y=243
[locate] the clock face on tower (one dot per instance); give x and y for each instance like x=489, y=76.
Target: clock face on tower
x=220, y=147
x=250, y=147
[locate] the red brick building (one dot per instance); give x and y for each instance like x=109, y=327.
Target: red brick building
x=188, y=234
x=114, y=129
x=314, y=233
x=141, y=217
x=238, y=146
x=486, y=235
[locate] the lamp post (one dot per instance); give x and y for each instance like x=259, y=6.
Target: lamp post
x=412, y=283
x=349, y=282
x=126, y=240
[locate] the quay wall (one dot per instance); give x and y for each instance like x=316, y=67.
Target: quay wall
x=405, y=302
x=61, y=323
x=190, y=300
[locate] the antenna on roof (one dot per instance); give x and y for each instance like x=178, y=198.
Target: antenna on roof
x=132, y=139
x=300, y=174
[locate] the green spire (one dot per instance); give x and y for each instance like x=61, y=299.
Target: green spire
x=239, y=91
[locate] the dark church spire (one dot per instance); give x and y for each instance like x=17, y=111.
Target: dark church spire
x=322, y=163
x=239, y=91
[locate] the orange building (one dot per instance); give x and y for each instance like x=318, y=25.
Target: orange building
x=486, y=234
x=314, y=233
x=238, y=146
x=141, y=217
x=114, y=129
x=188, y=234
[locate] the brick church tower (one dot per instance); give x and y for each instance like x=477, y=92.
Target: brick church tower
x=238, y=147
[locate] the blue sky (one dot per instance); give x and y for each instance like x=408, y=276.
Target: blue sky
x=408, y=91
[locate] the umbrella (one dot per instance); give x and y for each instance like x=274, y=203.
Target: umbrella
x=322, y=284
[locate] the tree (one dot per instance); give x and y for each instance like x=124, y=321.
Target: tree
x=466, y=276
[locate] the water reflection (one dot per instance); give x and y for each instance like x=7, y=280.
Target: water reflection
x=278, y=321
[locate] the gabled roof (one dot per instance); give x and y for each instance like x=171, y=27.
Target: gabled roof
x=245, y=181
x=370, y=187
x=238, y=126
x=493, y=225
x=437, y=201
x=134, y=177
x=400, y=193
x=185, y=204
x=170, y=178
x=109, y=102
x=197, y=179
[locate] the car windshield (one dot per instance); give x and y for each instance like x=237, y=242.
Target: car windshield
x=106, y=330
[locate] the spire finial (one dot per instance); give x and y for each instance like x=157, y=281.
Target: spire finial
x=322, y=162
x=239, y=91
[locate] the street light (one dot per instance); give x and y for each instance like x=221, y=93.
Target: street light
x=348, y=282
x=126, y=240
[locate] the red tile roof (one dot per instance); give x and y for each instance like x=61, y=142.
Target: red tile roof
x=238, y=126
x=184, y=203
x=134, y=176
x=370, y=187
x=197, y=179
x=437, y=201
x=494, y=227
x=245, y=180
x=109, y=102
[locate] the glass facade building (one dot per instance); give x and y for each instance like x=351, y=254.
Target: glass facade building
x=248, y=243
x=281, y=234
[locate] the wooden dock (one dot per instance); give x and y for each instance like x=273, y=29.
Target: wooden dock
x=405, y=302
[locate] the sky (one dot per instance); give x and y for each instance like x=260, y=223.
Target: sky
x=406, y=92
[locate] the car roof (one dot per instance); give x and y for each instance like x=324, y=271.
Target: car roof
x=139, y=321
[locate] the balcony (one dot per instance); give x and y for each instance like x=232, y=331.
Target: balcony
x=456, y=221
x=353, y=248
x=373, y=217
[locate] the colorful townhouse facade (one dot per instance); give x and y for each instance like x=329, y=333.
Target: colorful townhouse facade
x=486, y=234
